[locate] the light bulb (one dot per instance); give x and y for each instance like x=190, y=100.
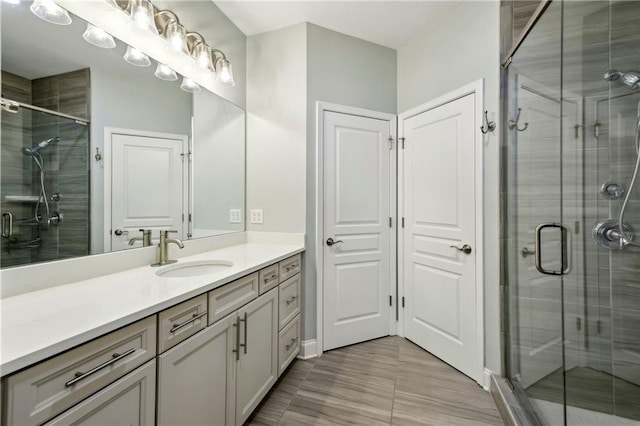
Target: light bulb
x=50, y=12
x=202, y=55
x=98, y=37
x=136, y=57
x=163, y=72
x=176, y=37
x=189, y=85
x=225, y=74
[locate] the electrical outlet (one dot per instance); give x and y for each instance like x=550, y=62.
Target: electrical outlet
x=256, y=216
x=235, y=216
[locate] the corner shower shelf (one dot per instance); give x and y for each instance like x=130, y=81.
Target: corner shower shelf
x=21, y=198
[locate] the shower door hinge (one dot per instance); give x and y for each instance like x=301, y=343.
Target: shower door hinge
x=403, y=301
x=576, y=130
x=390, y=143
x=596, y=130
x=402, y=140
x=576, y=227
x=390, y=300
x=579, y=323
x=390, y=223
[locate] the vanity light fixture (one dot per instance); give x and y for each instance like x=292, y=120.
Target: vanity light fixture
x=142, y=15
x=136, y=57
x=50, y=12
x=98, y=37
x=189, y=85
x=163, y=72
x=199, y=50
x=170, y=28
x=222, y=66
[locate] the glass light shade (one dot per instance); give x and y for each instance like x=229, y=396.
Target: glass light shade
x=202, y=55
x=142, y=16
x=189, y=85
x=50, y=12
x=225, y=73
x=12, y=1
x=176, y=37
x=98, y=37
x=163, y=72
x=136, y=57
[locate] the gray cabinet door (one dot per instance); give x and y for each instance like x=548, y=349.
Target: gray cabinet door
x=128, y=401
x=257, y=368
x=196, y=378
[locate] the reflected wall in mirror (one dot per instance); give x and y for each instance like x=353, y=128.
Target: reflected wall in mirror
x=85, y=133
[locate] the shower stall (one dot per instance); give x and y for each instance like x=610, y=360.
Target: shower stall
x=572, y=209
x=44, y=188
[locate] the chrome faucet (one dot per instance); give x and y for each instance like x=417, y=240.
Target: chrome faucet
x=164, y=248
x=146, y=238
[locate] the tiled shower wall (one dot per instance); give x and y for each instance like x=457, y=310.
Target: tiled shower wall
x=66, y=165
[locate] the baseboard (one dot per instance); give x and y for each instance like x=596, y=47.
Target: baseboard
x=308, y=349
x=486, y=383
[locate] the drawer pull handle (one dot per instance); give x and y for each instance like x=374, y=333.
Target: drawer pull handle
x=271, y=278
x=290, y=300
x=292, y=344
x=80, y=375
x=244, y=345
x=177, y=327
x=294, y=266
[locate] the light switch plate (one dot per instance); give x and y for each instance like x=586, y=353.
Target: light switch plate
x=256, y=216
x=235, y=216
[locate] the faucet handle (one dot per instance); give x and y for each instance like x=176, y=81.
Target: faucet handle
x=145, y=231
x=165, y=232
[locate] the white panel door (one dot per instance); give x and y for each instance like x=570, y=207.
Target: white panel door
x=357, y=199
x=439, y=210
x=147, y=186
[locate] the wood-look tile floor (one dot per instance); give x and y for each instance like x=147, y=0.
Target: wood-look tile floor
x=388, y=381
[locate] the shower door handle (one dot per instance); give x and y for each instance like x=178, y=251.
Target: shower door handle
x=564, y=268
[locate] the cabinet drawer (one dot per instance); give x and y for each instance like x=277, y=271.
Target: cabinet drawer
x=129, y=401
x=228, y=298
x=268, y=278
x=288, y=344
x=289, y=267
x=181, y=321
x=47, y=389
x=289, y=300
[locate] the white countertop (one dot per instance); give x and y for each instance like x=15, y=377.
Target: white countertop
x=39, y=324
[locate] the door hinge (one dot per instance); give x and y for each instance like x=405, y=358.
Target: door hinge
x=579, y=323
x=190, y=220
x=183, y=217
x=390, y=300
x=576, y=227
x=403, y=222
x=390, y=143
x=390, y=222
x=576, y=130
x=403, y=301
x=402, y=140
x=596, y=130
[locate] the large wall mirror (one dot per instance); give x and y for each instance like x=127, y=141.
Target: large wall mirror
x=94, y=148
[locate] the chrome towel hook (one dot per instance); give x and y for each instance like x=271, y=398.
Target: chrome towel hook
x=488, y=126
x=514, y=124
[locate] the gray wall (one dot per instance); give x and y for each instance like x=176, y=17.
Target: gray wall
x=461, y=49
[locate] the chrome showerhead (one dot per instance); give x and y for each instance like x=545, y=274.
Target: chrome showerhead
x=629, y=78
x=41, y=145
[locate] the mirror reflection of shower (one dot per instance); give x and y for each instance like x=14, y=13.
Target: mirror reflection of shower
x=34, y=153
x=616, y=233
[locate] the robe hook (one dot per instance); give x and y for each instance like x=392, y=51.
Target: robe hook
x=489, y=126
x=513, y=124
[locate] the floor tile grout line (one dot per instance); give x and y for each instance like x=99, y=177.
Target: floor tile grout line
x=395, y=382
x=296, y=392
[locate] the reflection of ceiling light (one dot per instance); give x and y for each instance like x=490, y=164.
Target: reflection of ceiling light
x=163, y=72
x=136, y=57
x=50, y=12
x=98, y=37
x=142, y=16
x=189, y=85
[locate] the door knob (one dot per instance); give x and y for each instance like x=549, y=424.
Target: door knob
x=330, y=241
x=466, y=249
x=119, y=232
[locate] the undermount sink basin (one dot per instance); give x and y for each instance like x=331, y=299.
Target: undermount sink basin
x=194, y=268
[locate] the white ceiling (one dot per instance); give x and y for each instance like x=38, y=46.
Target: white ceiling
x=388, y=23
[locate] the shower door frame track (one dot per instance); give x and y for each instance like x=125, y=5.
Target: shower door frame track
x=78, y=120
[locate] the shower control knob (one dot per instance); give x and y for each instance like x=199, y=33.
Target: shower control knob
x=56, y=219
x=119, y=232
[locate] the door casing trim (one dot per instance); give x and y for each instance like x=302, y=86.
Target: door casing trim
x=321, y=108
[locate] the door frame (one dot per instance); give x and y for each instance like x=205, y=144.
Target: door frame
x=476, y=88
x=321, y=108
x=109, y=132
